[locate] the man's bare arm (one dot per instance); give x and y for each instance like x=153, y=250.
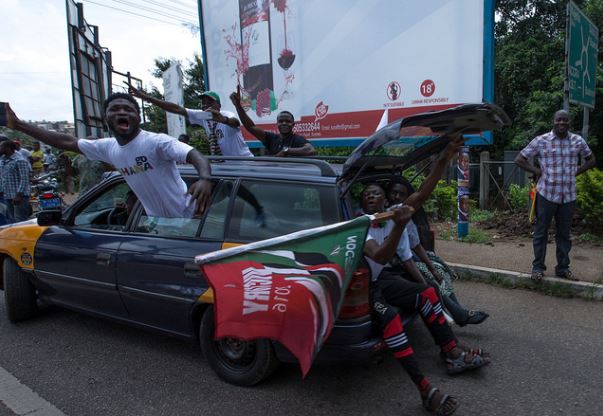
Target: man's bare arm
x=524, y=164
x=201, y=189
x=165, y=105
x=54, y=139
x=589, y=163
x=417, y=198
x=247, y=122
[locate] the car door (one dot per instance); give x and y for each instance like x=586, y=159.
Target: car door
x=157, y=277
x=76, y=261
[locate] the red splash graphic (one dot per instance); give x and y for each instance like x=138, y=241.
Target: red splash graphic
x=280, y=5
x=238, y=51
x=262, y=103
x=321, y=110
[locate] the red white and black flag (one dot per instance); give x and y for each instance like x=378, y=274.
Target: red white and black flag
x=288, y=289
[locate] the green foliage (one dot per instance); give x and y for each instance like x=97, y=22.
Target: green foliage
x=589, y=198
x=481, y=215
x=518, y=197
x=442, y=204
x=589, y=238
x=475, y=236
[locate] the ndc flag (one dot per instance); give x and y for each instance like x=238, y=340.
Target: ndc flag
x=289, y=289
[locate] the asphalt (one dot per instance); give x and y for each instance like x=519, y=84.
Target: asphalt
x=509, y=263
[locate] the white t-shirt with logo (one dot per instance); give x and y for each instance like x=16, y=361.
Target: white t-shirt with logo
x=230, y=139
x=148, y=164
x=379, y=234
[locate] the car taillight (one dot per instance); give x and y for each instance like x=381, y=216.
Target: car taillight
x=47, y=195
x=356, y=299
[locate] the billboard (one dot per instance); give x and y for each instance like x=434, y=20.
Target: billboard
x=582, y=53
x=172, y=91
x=339, y=65
x=90, y=72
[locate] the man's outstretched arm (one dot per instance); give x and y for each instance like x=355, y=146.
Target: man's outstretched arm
x=54, y=139
x=165, y=105
x=201, y=189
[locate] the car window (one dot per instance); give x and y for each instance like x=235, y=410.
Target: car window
x=167, y=227
x=215, y=220
x=108, y=210
x=265, y=209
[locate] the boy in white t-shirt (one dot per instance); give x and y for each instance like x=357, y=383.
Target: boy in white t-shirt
x=223, y=124
x=146, y=160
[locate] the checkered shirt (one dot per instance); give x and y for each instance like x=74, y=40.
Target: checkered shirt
x=14, y=176
x=558, y=163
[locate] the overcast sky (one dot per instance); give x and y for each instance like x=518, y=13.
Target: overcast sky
x=34, y=60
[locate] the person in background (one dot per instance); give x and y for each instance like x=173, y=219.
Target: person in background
x=558, y=153
x=37, y=160
x=284, y=144
x=50, y=160
x=435, y=271
x=184, y=138
x=23, y=151
x=14, y=179
x=66, y=173
x=222, y=128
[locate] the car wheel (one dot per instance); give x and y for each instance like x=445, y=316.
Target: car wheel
x=19, y=294
x=244, y=363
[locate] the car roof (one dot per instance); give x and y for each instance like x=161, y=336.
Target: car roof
x=295, y=169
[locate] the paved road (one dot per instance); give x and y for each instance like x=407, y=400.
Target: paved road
x=546, y=353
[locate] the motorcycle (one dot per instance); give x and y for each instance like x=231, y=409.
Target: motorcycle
x=45, y=193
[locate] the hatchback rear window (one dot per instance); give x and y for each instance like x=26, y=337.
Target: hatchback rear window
x=265, y=209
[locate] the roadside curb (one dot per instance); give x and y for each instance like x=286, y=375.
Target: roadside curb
x=586, y=290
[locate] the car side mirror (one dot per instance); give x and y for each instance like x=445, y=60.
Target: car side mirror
x=49, y=217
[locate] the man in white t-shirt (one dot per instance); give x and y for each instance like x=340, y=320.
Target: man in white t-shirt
x=146, y=160
x=223, y=124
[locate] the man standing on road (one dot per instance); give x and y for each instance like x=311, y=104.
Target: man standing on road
x=284, y=144
x=146, y=160
x=558, y=152
x=37, y=159
x=223, y=129
x=14, y=182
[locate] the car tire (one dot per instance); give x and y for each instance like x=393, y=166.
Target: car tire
x=243, y=363
x=19, y=293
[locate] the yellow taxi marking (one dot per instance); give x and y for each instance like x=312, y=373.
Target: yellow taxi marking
x=19, y=242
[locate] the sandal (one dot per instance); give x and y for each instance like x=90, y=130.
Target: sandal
x=568, y=275
x=446, y=407
x=459, y=364
x=537, y=276
x=471, y=351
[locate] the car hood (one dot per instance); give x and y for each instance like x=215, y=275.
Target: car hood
x=409, y=140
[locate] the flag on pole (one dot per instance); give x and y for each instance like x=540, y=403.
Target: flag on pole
x=289, y=288
x=532, y=214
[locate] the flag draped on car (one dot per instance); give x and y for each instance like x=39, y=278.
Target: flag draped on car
x=289, y=288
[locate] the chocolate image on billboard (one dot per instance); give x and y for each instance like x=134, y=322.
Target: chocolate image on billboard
x=254, y=18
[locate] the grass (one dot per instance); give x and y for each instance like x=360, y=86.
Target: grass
x=475, y=235
x=480, y=215
x=551, y=289
x=589, y=238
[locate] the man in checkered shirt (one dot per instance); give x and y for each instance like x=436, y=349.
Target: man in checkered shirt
x=14, y=181
x=558, y=152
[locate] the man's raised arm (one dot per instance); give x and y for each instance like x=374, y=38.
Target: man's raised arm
x=54, y=139
x=165, y=105
x=417, y=198
x=260, y=134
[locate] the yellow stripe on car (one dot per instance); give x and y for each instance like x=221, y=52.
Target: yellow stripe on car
x=19, y=242
x=208, y=295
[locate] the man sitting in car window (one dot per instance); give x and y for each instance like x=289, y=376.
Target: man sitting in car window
x=146, y=160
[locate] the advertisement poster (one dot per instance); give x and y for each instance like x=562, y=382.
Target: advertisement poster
x=172, y=90
x=338, y=65
x=462, y=175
